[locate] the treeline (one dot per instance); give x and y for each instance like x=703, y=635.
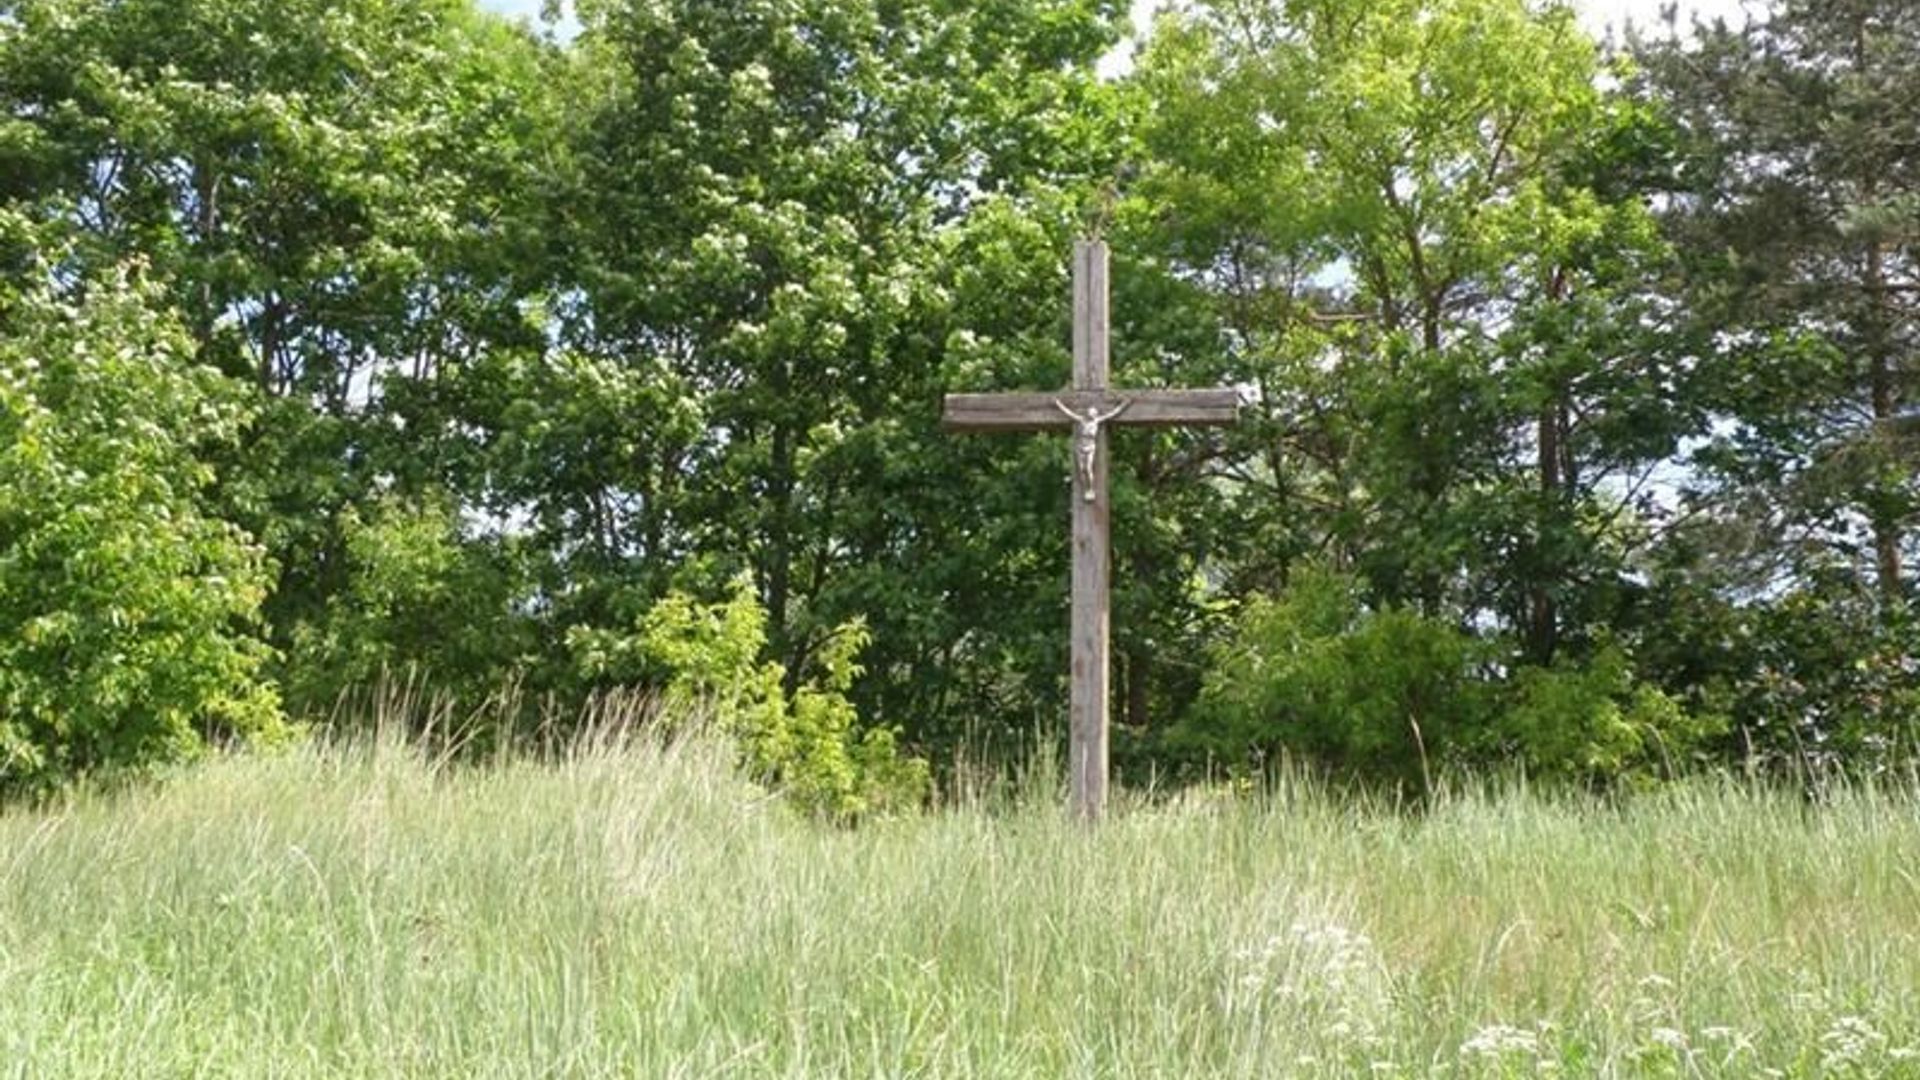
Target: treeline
x=341, y=339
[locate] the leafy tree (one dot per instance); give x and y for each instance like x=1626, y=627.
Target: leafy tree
x=1585, y=408
x=334, y=197
x=1785, y=600
x=423, y=601
x=1390, y=695
x=1796, y=219
x=1816, y=677
x=1421, y=228
x=797, y=225
x=127, y=608
x=1596, y=722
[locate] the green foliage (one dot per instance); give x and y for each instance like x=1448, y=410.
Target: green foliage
x=1795, y=223
x=1384, y=694
x=335, y=195
x=1454, y=309
x=126, y=608
x=802, y=735
x=793, y=218
x=1834, y=680
x=1388, y=694
x=420, y=600
x=1596, y=377
x=1819, y=677
x=1593, y=721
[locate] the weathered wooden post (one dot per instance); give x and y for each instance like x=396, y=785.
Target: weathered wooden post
x=1087, y=410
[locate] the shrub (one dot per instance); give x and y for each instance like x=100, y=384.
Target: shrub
x=805, y=741
x=419, y=598
x=1389, y=694
x=125, y=607
x=1593, y=720
x=1380, y=693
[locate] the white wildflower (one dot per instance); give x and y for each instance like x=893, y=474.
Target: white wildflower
x=1499, y=1040
x=1730, y=1042
x=1850, y=1040
x=1670, y=1038
x=1318, y=972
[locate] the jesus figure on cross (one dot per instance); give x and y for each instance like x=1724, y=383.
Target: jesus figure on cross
x=1086, y=409
x=1086, y=439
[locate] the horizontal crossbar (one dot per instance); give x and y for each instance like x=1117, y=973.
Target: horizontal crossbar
x=1041, y=412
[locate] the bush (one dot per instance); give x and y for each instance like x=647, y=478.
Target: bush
x=805, y=741
x=1392, y=695
x=125, y=607
x=1595, y=721
x=1382, y=694
x=419, y=598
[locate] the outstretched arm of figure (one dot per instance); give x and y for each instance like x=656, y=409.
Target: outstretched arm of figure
x=1062, y=406
x=1118, y=409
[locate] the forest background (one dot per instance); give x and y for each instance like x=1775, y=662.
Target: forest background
x=362, y=340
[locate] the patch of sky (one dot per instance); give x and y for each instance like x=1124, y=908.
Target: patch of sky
x=533, y=12
x=1600, y=17
x=1604, y=17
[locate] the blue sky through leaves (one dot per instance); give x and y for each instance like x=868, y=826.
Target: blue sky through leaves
x=1598, y=14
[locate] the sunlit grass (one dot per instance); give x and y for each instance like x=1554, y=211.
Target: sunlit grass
x=637, y=911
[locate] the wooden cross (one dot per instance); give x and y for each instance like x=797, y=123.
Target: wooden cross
x=1087, y=410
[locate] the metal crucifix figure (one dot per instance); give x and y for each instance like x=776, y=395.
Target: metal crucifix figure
x=1086, y=410
x=1086, y=439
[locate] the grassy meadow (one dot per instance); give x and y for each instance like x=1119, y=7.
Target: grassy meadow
x=635, y=910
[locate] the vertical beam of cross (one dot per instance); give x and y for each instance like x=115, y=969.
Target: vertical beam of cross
x=1087, y=410
x=1089, y=683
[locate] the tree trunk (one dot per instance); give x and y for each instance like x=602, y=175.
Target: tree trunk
x=779, y=511
x=1886, y=528
x=1886, y=403
x=1543, y=618
x=1139, y=674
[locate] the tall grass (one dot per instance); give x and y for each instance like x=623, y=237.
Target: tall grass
x=634, y=910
